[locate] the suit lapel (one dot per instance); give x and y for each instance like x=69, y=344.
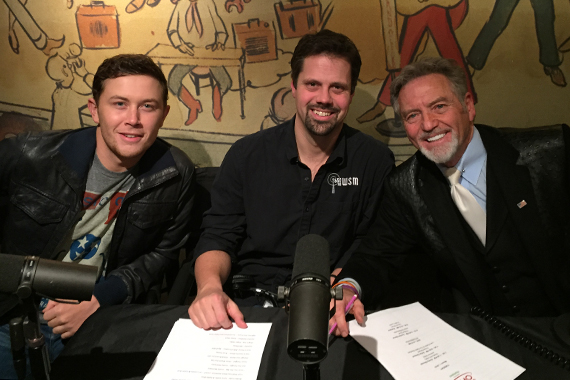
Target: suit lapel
x=436, y=193
x=496, y=210
x=511, y=180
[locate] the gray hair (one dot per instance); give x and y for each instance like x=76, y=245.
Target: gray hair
x=433, y=65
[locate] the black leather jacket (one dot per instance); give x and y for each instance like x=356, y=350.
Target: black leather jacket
x=42, y=181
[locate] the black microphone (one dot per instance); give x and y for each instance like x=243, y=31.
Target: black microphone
x=309, y=301
x=49, y=278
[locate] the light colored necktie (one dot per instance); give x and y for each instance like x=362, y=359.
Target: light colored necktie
x=193, y=18
x=472, y=211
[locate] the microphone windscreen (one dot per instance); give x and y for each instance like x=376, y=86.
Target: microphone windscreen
x=55, y=279
x=312, y=256
x=10, y=272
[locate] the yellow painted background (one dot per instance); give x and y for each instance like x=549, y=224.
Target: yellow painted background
x=512, y=88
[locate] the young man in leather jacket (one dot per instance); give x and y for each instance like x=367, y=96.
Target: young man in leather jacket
x=114, y=196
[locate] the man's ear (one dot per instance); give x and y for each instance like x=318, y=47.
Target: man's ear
x=293, y=89
x=165, y=113
x=92, y=105
x=470, y=106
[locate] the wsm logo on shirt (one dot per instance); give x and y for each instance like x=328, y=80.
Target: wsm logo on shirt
x=336, y=180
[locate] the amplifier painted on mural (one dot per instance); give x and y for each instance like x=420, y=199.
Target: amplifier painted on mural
x=98, y=25
x=257, y=39
x=298, y=17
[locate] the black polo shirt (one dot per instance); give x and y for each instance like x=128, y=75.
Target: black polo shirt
x=263, y=201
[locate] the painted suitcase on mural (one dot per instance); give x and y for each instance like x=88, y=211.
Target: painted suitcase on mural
x=257, y=38
x=98, y=25
x=298, y=17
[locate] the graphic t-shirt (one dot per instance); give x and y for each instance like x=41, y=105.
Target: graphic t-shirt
x=88, y=243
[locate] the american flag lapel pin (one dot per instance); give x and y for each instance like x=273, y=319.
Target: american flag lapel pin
x=521, y=204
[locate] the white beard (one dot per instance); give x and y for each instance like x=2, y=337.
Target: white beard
x=442, y=154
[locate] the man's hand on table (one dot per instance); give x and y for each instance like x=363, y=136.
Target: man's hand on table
x=212, y=309
x=65, y=319
x=339, y=318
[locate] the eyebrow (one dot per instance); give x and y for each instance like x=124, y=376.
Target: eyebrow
x=441, y=98
x=430, y=104
x=118, y=97
x=338, y=84
x=310, y=80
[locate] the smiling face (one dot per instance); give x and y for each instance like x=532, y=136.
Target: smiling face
x=322, y=94
x=436, y=121
x=130, y=111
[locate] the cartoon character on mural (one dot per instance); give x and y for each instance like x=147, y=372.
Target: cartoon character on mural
x=238, y=4
x=544, y=24
x=196, y=23
x=219, y=49
x=135, y=5
x=439, y=18
x=17, y=12
x=72, y=88
x=282, y=108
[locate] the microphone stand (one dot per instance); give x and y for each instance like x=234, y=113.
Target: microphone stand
x=18, y=344
x=39, y=359
x=27, y=328
x=311, y=372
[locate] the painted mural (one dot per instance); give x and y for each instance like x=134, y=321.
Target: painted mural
x=227, y=61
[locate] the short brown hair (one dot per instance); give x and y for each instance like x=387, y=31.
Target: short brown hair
x=128, y=64
x=330, y=43
x=433, y=65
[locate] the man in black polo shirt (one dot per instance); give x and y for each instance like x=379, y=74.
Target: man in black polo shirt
x=312, y=174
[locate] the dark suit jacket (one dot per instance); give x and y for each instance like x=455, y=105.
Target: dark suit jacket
x=417, y=212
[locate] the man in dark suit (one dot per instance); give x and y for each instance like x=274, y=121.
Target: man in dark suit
x=515, y=260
